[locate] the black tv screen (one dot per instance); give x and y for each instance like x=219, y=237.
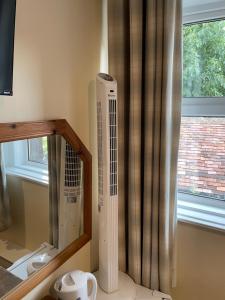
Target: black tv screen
x=7, y=29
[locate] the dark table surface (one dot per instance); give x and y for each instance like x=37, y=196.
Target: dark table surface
x=7, y=281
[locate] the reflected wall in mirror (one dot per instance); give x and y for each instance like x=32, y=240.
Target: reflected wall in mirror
x=41, y=204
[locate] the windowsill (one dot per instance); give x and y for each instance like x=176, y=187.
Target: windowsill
x=31, y=173
x=201, y=214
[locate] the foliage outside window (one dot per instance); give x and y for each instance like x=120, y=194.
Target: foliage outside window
x=204, y=59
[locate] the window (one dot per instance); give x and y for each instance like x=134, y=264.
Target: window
x=201, y=162
x=38, y=150
x=27, y=159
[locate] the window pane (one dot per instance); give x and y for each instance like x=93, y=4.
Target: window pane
x=204, y=59
x=201, y=163
x=38, y=150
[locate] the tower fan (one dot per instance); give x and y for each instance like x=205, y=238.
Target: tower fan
x=106, y=90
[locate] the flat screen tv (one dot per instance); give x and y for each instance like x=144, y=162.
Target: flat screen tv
x=7, y=29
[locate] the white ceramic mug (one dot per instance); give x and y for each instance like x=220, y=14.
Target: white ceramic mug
x=74, y=286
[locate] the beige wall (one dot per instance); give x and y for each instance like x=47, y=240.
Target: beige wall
x=201, y=264
x=57, y=56
x=36, y=200
x=29, y=206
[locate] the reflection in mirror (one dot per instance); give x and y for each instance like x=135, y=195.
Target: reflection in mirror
x=41, y=204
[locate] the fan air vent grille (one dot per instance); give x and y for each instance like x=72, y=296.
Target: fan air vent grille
x=72, y=183
x=100, y=149
x=113, y=147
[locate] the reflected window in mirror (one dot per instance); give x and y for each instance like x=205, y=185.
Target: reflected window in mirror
x=27, y=158
x=38, y=150
x=41, y=203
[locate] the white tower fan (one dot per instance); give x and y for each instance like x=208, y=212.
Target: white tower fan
x=106, y=92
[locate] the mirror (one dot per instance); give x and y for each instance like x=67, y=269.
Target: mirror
x=41, y=204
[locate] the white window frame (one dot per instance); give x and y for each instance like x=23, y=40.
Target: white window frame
x=193, y=209
x=17, y=163
x=204, y=12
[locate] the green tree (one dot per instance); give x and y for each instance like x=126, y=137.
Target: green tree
x=204, y=59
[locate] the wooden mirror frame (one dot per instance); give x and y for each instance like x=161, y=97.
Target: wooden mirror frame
x=25, y=130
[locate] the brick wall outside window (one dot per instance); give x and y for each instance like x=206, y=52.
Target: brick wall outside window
x=201, y=163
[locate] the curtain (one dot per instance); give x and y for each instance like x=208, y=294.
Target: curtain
x=5, y=218
x=54, y=172
x=145, y=58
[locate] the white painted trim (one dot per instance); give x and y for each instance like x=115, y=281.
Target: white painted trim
x=203, y=106
x=204, y=12
x=201, y=218
x=31, y=173
x=202, y=211
x=204, y=16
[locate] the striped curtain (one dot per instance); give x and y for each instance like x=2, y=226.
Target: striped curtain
x=54, y=173
x=145, y=57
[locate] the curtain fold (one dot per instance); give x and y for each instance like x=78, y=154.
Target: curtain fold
x=54, y=170
x=5, y=217
x=145, y=57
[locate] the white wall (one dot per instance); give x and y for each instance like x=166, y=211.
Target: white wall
x=57, y=56
x=200, y=264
